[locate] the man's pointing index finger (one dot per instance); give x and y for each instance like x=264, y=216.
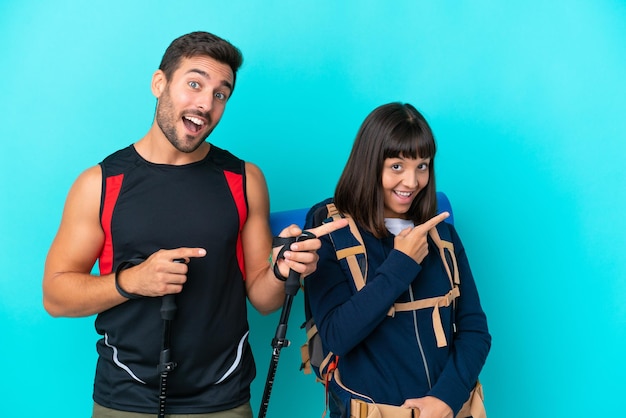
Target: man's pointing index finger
x=329, y=227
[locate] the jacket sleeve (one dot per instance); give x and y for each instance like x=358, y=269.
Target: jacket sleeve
x=335, y=303
x=471, y=343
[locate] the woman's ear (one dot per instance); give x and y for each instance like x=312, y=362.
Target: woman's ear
x=159, y=81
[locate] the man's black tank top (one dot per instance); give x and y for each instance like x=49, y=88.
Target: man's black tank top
x=146, y=207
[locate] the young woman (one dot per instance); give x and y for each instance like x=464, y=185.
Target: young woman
x=388, y=188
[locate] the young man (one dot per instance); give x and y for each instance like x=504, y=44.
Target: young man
x=173, y=214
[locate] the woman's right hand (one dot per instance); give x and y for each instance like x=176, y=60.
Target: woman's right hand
x=413, y=242
x=429, y=407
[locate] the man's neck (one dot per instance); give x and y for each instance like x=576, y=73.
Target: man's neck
x=155, y=148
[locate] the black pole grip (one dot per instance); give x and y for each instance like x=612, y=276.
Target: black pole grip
x=168, y=307
x=292, y=284
x=168, y=304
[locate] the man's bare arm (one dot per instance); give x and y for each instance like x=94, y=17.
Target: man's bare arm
x=265, y=291
x=68, y=287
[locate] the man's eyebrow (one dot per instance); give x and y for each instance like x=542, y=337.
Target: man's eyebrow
x=205, y=74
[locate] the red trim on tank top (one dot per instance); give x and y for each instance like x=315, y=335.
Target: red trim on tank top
x=235, y=184
x=113, y=185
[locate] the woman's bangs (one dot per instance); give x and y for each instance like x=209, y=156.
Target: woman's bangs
x=409, y=145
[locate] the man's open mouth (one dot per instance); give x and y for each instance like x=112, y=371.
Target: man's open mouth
x=193, y=124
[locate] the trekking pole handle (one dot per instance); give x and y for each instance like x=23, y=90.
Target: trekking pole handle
x=292, y=284
x=168, y=307
x=168, y=304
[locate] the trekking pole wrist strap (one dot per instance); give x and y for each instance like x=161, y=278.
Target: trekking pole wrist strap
x=286, y=242
x=123, y=266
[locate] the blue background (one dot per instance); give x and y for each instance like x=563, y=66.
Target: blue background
x=527, y=102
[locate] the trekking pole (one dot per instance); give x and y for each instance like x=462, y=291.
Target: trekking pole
x=292, y=284
x=166, y=365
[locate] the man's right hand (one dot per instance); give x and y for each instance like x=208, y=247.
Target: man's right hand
x=161, y=274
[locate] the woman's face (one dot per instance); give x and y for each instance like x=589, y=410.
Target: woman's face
x=403, y=178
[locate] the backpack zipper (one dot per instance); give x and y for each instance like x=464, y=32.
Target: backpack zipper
x=419, y=340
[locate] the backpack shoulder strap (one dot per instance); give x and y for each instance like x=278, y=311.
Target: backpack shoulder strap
x=349, y=247
x=350, y=251
x=442, y=239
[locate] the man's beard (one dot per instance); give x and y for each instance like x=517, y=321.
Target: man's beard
x=165, y=118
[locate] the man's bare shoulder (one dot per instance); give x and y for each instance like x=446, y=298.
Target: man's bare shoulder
x=89, y=180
